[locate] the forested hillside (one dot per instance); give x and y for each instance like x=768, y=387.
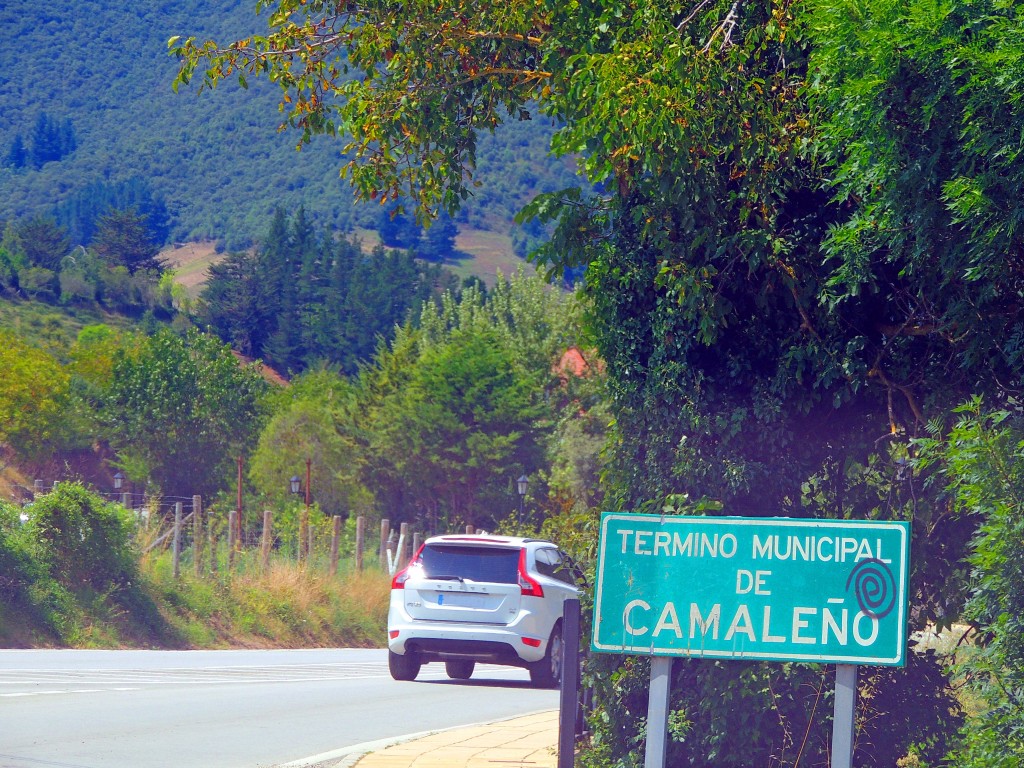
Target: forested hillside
x=87, y=112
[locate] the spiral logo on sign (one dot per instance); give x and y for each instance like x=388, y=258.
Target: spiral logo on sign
x=874, y=587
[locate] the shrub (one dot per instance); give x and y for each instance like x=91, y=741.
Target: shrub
x=18, y=569
x=84, y=539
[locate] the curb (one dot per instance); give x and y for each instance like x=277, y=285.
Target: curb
x=348, y=757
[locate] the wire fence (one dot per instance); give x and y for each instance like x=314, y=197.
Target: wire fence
x=212, y=541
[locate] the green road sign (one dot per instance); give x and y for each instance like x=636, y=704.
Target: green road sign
x=776, y=589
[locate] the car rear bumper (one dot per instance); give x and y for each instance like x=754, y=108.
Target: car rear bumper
x=493, y=643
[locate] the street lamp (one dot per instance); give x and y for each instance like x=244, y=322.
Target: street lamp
x=118, y=481
x=521, y=485
x=295, y=484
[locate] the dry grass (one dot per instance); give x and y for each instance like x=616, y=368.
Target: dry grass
x=191, y=262
x=491, y=253
x=285, y=607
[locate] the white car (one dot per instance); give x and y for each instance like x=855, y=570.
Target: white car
x=494, y=599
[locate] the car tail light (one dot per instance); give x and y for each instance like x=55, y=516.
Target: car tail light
x=527, y=583
x=398, y=582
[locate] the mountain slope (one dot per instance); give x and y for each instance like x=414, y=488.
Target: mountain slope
x=216, y=158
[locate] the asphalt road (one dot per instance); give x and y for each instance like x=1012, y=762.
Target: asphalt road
x=230, y=709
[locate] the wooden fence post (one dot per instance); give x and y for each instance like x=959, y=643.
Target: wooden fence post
x=197, y=534
x=415, y=543
x=211, y=534
x=403, y=543
x=335, y=537
x=360, y=534
x=470, y=530
x=232, y=538
x=176, y=542
x=385, y=532
x=268, y=521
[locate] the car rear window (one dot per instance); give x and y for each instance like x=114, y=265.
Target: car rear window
x=490, y=564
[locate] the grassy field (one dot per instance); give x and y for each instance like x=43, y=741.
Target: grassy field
x=190, y=262
x=53, y=328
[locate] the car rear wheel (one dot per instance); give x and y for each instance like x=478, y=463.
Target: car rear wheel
x=404, y=667
x=547, y=673
x=459, y=669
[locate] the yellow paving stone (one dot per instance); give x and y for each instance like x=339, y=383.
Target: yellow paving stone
x=523, y=742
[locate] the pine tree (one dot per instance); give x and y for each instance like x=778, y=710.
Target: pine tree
x=123, y=239
x=42, y=242
x=17, y=154
x=46, y=144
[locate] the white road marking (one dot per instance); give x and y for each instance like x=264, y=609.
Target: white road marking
x=87, y=680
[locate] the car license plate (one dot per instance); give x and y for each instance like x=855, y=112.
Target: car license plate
x=460, y=600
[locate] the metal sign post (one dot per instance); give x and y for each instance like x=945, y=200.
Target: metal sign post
x=657, y=712
x=843, y=716
x=569, y=695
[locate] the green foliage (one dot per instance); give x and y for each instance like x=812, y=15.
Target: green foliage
x=123, y=239
x=309, y=423
x=40, y=242
x=983, y=464
x=305, y=298
x=179, y=410
x=71, y=562
x=460, y=424
x=82, y=539
x=34, y=395
x=921, y=120
x=438, y=242
x=731, y=145
x=19, y=570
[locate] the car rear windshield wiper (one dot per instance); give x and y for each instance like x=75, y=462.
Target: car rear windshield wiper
x=446, y=577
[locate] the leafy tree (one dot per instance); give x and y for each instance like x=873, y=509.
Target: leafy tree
x=85, y=541
x=396, y=229
x=34, y=393
x=921, y=121
x=456, y=408
x=179, y=410
x=438, y=242
x=981, y=458
x=463, y=418
x=39, y=284
x=310, y=424
x=8, y=273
